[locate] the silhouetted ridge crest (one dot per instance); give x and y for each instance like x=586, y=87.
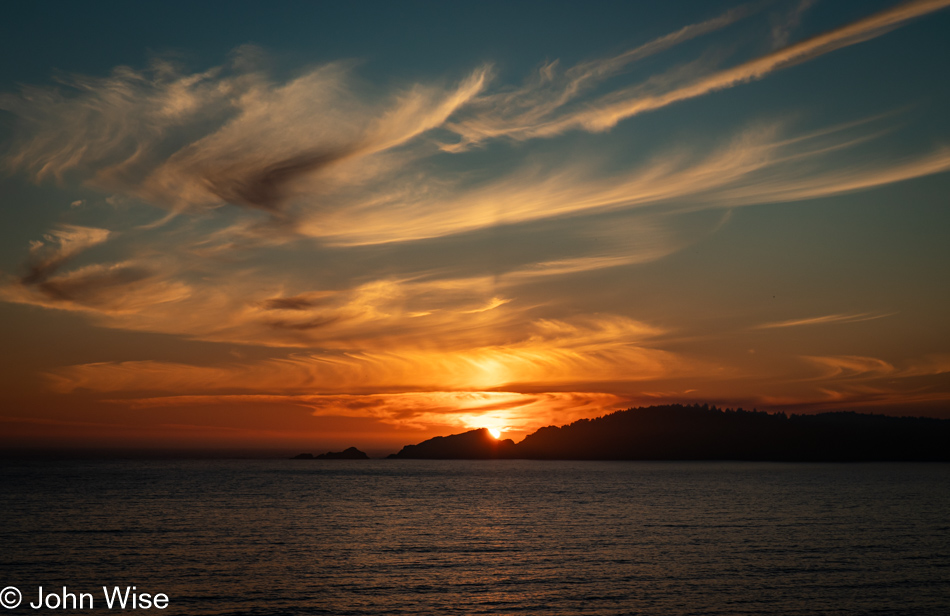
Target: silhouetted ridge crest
x=472, y=445
x=676, y=432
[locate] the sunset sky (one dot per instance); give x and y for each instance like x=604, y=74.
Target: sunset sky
x=316, y=225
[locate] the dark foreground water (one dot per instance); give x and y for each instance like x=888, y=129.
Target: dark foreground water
x=493, y=537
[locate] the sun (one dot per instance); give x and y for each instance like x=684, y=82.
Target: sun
x=495, y=432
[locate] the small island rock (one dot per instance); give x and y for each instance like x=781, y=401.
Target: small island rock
x=350, y=453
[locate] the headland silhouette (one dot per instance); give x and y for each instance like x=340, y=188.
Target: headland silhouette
x=701, y=432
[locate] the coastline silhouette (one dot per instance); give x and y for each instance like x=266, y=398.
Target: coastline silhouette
x=701, y=432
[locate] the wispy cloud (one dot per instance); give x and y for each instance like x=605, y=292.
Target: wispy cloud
x=228, y=135
x=837, y=181
x=857, y=381
x=288, y=132
x=859, y=367
x=523, y=112
x=549, y=353
x=389, y=306
x=459, y=410
x=318, y=153
x=245, y=301
x=851, y=366
x=759, y=165
x=782, y=28
x=57, y=248
x=103, y=291
x=828, y=318
x=606, y=116
x=662, y=91
x=127, y=287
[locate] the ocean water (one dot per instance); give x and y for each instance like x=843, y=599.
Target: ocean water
x=481, y=537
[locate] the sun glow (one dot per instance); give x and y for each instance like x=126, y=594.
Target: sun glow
x=495, y=432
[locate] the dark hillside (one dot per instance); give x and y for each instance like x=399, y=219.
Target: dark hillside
x=675, y=432
x=472, y=445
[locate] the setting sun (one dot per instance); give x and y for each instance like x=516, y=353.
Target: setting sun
x=495, y=432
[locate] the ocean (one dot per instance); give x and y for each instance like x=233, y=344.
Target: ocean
x=416, y=537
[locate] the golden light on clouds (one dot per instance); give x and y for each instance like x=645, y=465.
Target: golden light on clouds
x=550, y=353
x=511, y=412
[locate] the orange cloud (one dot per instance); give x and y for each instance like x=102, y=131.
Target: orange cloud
x=459, y=410
x=552, y=352
x=851, y=366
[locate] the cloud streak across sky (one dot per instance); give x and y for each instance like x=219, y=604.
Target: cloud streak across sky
x=606, y=112
x=398, y=246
